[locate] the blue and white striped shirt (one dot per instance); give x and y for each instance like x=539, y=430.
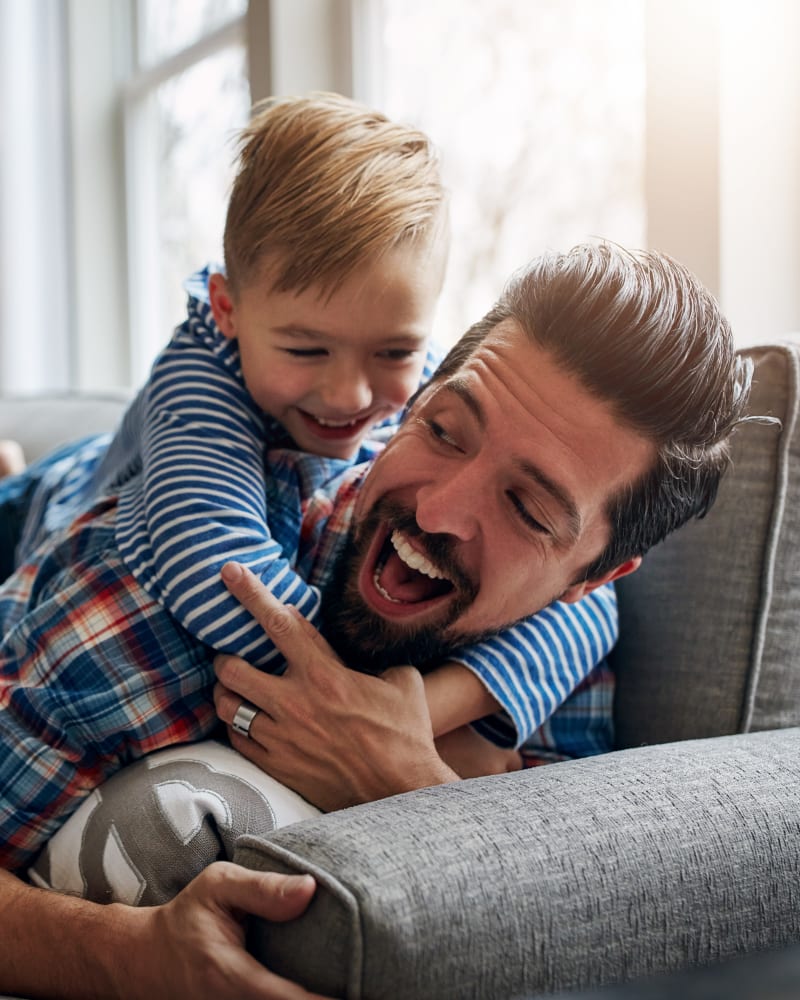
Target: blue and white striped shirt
x=188, y=464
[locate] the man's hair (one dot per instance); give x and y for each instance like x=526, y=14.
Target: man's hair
x=642, y=333
x=328, y=185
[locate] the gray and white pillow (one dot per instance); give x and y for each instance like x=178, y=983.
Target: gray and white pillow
x=148, y=831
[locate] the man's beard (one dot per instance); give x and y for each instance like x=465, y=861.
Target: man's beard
x=367, y=642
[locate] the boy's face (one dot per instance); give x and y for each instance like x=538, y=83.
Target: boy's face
x=330, y=367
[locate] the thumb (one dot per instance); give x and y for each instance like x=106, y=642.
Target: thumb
x=264, y=894
x=289, y=895
x=407, y=679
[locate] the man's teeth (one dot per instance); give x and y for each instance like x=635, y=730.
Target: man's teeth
x=416, y=560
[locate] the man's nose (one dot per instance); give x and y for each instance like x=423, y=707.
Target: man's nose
x=345, y=389
x=453, y=505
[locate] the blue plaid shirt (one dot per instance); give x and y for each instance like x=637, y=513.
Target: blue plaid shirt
x=103, y=661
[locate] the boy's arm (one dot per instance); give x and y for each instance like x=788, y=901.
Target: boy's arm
x=204, y=499
x=527, y=670
x=456, y=696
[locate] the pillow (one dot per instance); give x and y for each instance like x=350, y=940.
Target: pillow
x=709, y=638
x=144, y=834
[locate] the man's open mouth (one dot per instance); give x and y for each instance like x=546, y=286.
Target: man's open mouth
x=400, y=579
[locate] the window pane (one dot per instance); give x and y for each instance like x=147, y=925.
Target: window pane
x=183, y=161
x=167, y=26
x=538, y=107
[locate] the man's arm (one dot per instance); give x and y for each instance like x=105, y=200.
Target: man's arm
x=336, y=736
x=58, y=946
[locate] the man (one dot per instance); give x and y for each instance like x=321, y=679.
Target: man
x=580, y=422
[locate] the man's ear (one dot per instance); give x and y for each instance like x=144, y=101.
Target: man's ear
x=222, y=307
x=579, y=590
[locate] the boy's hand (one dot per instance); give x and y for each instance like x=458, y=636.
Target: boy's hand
x=334, y=735
x=472, y=756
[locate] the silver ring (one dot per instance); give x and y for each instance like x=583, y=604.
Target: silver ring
x=243, y=718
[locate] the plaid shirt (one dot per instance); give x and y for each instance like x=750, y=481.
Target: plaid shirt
x=96, y=673
x=188, y=467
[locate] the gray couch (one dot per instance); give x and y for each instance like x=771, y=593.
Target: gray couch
x=680, y=850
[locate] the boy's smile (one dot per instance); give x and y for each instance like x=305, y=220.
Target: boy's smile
x=331, y=365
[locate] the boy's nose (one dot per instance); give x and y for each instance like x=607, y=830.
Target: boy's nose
x=346, y=391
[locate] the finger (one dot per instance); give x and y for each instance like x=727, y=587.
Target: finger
x=290, y=632
x=285, y=764
x=253, y=751
x=239, y=681
x=407, y=679
x=264, y=894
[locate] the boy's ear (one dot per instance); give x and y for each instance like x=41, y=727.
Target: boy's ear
x=579, y=590
x=222, y=307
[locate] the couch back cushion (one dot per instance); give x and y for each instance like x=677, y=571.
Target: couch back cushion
x=41, y=423
x=710, y=624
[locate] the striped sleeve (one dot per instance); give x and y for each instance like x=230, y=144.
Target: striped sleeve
x=201, y=500
x=582, y=727
x=532, y=667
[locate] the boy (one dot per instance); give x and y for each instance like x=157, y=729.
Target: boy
x=335, y=251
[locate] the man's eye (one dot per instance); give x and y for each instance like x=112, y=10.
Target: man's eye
x=396, y=354
x=525, y=515
x=305, y=352
x=441, y=434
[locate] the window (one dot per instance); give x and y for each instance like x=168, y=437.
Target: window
x=539, y=113
x=187, y=98
x=672, y=125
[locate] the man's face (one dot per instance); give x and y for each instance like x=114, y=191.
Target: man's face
x=487, y=503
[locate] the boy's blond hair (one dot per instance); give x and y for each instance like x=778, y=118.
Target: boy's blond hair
x=327, y=184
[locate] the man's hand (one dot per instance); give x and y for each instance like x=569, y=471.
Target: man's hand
x=58, y=946
x=195, y=943
x=336, y=736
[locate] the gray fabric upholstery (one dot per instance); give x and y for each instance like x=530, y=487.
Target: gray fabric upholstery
x=42, y=423
x=584, y=873
x=770, y=975
x=710, y=624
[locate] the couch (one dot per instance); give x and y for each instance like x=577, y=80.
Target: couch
x=678, y=851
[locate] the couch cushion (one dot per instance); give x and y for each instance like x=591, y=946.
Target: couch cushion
x=710, y=625
x=42, y=423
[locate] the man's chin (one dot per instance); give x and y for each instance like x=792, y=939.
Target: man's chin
x=367, y=642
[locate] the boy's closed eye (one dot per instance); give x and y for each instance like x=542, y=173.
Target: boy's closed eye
x=305, y=352
x=398, y=353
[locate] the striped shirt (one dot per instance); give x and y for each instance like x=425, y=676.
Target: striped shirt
x=188, y=466
x=95, y=673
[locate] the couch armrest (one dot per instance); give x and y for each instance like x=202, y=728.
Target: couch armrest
x=583, y=873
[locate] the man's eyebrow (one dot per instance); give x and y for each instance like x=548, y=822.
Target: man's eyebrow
x=461, y=388
x=558, y=493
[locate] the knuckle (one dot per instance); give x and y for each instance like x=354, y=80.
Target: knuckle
x=278, y=622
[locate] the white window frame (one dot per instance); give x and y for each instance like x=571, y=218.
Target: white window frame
x=141, y=173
